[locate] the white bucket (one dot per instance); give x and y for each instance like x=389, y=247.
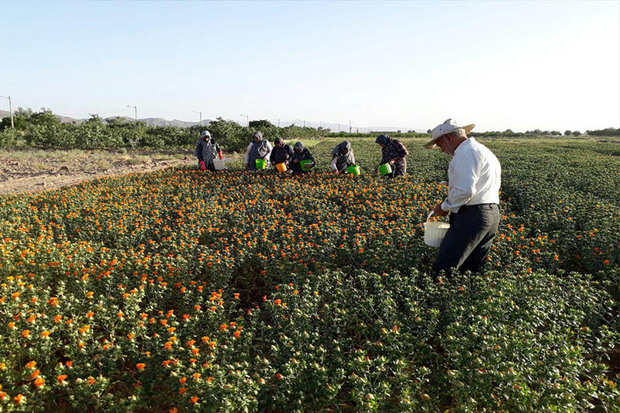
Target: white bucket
x=218, y=164
x=434, y=232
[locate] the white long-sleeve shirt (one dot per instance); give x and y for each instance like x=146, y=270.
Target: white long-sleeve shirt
x=475, y=176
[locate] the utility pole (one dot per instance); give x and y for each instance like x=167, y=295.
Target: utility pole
x=349, y=126
x=247, y=119
x=195, y=111
x=135, y=108
x=10, y=110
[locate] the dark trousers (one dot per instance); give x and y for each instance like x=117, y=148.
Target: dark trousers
x=398, y=169
x=469, y=239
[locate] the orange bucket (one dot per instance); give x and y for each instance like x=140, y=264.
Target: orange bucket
x=281, y=167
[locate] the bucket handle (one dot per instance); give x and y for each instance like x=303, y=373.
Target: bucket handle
x=429, y=216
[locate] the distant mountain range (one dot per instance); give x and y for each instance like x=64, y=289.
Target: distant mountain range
x=334, y=127
x=149, y=121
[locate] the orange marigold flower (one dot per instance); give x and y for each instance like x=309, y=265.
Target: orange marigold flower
x=19, y=399
x=39, y=382
x=237, y=334
x=30, y=364
x=223, y=327
x=194, y=399
x=140, y=366
x=61, y=378
x=25, y=333
x=182, y=390
x=45, y=334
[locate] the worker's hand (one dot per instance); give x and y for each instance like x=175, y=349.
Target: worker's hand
x=392, y=161
x=440, y=212
x=295, y=160
x=203, y=167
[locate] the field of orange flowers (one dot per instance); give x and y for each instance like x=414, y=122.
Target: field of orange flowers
x=181, y=290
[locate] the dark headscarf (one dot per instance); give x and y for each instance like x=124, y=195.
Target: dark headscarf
x=341, y=148
x=382, y=139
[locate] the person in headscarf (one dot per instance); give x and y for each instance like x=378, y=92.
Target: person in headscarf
x=342, y=157
x=206, y=150
x=259, y=148
x=393, y=152
x=281, y=152
x=301, y=153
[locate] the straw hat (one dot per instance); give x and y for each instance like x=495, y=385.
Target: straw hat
x=445, y=128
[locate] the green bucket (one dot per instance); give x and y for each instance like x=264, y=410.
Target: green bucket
x=353, y=170
x=306, y=164
x=385, y=169
x=261, y=164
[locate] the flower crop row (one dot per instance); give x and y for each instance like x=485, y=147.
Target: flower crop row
x=241, y=291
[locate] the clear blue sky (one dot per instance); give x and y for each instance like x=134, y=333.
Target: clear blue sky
x=553, y=65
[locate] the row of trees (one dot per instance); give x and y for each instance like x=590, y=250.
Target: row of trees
x=44, y=129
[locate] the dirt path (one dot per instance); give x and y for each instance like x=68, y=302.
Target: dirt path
x=39, y=170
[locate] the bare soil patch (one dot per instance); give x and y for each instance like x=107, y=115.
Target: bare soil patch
x=43, y=169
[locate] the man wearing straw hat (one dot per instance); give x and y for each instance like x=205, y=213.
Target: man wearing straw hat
x=473, y=196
